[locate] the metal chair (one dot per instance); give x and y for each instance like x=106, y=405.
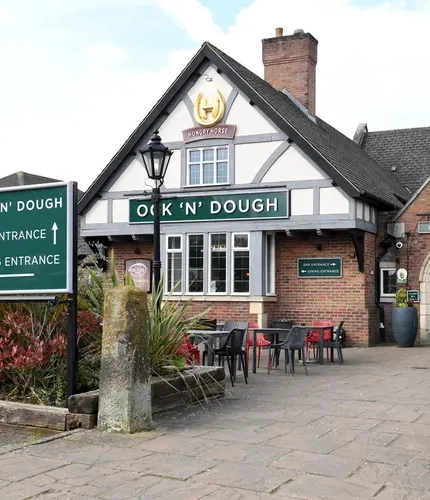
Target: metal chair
x=232, y=349
x=295, y=341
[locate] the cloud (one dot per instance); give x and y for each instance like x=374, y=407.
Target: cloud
x=71, y=92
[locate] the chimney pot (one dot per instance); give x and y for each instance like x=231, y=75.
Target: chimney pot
x=299, y=32
x=279, y=32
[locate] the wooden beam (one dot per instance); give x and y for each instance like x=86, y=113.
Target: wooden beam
x=325, y=233
x=357, y=236
x=142, y=237
x=293, y=233
x=120, y=239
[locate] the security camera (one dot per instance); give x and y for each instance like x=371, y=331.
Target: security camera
x=399, y=245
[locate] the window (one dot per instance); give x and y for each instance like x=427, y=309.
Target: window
x=218, y=263
x=270, y=263
x=213, y=264
x=174, y=264
x=207, y=166
x=388, y=282
x=240, y=247
x=195, y=263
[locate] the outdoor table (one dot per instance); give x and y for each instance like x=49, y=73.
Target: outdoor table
x=320, y=348
x=271, y=331
x=212, y=336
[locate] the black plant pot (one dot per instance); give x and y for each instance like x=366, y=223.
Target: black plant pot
x=404, y=323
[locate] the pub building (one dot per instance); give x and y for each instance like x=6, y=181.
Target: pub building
x=268, y=212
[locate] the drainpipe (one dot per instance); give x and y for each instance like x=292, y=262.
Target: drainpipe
x=385, y=244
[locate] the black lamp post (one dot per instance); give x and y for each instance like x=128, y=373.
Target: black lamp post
x=156, y=157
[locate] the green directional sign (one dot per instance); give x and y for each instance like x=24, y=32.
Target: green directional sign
x=330, y=267
x=268, y=205
x=36, y=239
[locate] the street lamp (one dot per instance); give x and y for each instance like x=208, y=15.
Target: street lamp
x=156, y=157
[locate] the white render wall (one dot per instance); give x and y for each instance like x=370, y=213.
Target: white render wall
x=249, y=158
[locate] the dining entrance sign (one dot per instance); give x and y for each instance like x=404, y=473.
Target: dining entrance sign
x=330, y=267
x=36, y=239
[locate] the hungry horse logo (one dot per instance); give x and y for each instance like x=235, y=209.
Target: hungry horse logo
x=209, y=114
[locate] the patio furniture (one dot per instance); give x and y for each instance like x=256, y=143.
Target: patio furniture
x=295, y=341
x=276, y=333
x=335, y=343
x=205, y=324
x=231, y=349
x=261, y=342
x=313, y=337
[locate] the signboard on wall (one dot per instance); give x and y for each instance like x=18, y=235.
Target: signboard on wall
x=244, y=206
x=141, y=272
x=36, y=239
x=413, y=296
x=330, y=267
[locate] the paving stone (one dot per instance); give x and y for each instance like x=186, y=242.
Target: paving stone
x=70, y=475
x=375, y=453
x=70, y=451
x=415, y=443
x=392, y=493
x=113, y=439
x=179, y=445
x=249, y=436
x=117, y=478
x=20, y=466
x=313, y=487
x=171, y=466
x=415, y=475
x=292, y=441
x=244, y=453
x=223, y=493
x=245, y=476
x=411, y=429
x=404, y=413
x=19, y=491
x=132, y=490
x=316, y=463
x=373, y=472
x=375, y=438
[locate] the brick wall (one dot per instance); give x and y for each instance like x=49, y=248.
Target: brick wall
x=350, y=298
x=417, y=245
x=290, y=63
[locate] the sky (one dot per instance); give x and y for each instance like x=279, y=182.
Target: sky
x=77, y=76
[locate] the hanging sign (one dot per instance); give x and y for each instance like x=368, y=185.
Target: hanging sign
x=402, y=276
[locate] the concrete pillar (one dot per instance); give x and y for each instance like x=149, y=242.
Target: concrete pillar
x=125, y=389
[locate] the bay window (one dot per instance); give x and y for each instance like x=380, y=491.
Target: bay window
x=215, y=264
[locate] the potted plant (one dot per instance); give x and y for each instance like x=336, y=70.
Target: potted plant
x=404, y=320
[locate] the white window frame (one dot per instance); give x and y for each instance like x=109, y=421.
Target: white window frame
x=178, y=290
x=187, y=263
x=239, y=249
x=381, y=281
x=227, y=264
x=270, y=257
x=215, y=161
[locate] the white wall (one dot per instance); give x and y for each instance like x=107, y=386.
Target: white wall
x=208, y=89
x=98, y=213
x=249, y=158
x=120, y=210
x=178, y=120
x=173, y=174
x=133, y=178
x=292, y=165
x=332, y=201
x=302, y=202
x=247, y=119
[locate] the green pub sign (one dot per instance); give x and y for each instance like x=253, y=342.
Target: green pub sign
x=36, y=239
x=413, y=296
x=273, y=205
x=330, y=267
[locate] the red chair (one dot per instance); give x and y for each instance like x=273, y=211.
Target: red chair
x=189, y=351
x=314, y=336
x=261, y=342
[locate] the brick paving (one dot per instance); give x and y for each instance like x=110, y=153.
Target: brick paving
x=357, y=431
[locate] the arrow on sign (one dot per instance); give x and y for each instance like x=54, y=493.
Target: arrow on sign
x=54, y=233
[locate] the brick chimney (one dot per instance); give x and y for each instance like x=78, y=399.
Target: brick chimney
x=290, y=63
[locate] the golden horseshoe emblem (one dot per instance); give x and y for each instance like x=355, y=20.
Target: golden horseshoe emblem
x=209, y=114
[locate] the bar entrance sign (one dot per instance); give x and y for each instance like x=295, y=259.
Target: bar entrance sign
x=319, y=268
x=36, y=239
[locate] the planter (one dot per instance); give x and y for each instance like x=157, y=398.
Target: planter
x=404, y=323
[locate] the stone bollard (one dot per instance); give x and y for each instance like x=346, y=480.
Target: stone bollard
x=125, y=389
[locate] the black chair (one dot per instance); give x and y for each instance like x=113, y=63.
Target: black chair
x=231, y=349
x=295, y=341
x=335, y=343
x=283, y=324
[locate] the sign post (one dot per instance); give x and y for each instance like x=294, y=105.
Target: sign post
x=38, y=252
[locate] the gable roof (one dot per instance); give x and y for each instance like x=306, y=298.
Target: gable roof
x=407, y=151
x=412, y=199
x=343, y=160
